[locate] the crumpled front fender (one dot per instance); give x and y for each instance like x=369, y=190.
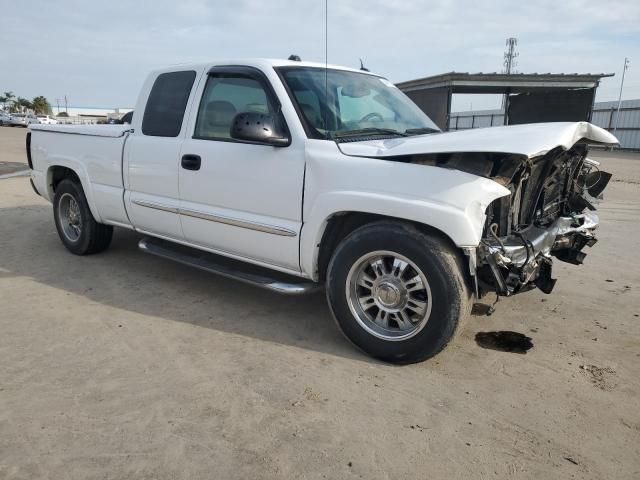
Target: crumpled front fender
x=448, y=200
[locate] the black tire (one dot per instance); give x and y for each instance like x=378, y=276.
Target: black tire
x=94, y=237
x=442, y=267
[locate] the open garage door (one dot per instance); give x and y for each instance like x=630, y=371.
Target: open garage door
x=553, y=106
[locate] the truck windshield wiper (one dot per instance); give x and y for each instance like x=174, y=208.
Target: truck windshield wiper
x=418, y=131
x=367, y=131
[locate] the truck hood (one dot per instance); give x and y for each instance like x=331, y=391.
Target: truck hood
x=530, y=140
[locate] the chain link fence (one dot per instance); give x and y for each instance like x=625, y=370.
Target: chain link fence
x=605, y=115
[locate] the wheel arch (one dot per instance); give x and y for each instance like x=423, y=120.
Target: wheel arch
x=61, y=171
x=340, y=225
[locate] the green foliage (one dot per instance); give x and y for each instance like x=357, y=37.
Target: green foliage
x=63, y=114
x=23, y=103
x=41, y=106
x=8, y=99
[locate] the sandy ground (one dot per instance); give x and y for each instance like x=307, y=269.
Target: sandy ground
x=122, y=365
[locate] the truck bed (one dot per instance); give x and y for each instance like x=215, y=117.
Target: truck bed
x=94, y=153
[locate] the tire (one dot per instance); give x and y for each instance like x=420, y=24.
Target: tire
x=432, y=288
x=85, y=236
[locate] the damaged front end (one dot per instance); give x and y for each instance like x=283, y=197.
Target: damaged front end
x=550, y=213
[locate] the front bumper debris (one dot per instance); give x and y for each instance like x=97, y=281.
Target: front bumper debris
x=522, y=260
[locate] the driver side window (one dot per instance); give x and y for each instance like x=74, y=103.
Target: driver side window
x=225, y=96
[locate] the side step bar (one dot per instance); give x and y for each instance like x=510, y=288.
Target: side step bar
x=230, y=268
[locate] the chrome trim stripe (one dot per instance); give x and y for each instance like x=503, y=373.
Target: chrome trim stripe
x=157, y=206
x=260, y=227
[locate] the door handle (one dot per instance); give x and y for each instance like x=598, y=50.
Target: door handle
x=191, y=162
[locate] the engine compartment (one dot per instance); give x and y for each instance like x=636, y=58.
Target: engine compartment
x=549, y=213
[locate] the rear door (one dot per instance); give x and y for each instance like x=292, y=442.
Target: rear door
x=153, y=154
x=242, y=199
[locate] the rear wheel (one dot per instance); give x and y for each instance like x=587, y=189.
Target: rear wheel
x=77, y=228
x=395, y=292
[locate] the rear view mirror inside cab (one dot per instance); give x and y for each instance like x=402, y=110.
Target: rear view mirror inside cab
x=355, y=90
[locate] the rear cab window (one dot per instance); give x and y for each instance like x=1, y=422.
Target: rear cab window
x=167, y=102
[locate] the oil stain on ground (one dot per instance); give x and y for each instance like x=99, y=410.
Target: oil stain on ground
x=504, y=341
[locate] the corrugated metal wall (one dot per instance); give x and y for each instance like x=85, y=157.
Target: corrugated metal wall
x=604, y=115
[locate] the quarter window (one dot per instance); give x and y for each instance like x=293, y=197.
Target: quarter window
x=225, y=96
x=166, y=104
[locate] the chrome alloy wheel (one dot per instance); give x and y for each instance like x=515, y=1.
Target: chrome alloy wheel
x=388, y=295
x=69, y=217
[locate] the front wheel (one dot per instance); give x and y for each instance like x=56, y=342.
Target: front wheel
x=76, y=226
x=395, y=292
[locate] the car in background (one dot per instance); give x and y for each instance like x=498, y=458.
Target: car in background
x=127, y=118
x=22, y=120
x=5, y=118
x=46, y=120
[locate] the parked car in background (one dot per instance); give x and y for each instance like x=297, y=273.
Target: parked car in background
x=5, y=118
x=125, y=119
x=22, y=120
x=46, y=120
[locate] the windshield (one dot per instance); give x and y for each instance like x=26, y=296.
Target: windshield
x=354, y=104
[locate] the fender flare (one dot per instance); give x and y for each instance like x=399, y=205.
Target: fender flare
x=79, y=169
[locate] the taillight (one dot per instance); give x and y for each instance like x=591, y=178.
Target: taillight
x=29, y=150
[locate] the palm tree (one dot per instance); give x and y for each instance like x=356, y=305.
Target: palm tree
x=23, y=103
x=40, y=105
x=8, y=97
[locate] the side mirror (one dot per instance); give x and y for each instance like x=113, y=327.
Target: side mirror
x=258, y=128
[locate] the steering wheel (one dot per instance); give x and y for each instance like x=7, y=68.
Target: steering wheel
x=370, y=116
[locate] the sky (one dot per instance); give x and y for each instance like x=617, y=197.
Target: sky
x=98, y=53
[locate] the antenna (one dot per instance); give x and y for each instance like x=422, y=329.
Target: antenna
x=510, y=55
x=362, y=67
x=326, y=66
x=509, y=66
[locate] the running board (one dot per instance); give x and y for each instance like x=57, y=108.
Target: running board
x=229, y=268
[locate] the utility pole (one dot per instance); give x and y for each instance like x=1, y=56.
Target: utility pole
x=509, y=64
x=65, y=105
x=58, y=105
x=624, y=69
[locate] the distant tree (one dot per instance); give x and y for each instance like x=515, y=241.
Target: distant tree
x=9, y=98
x=23, y=104
x=41, y=106
x=63, y=114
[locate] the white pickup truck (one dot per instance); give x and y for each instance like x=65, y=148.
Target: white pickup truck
x=291, y=176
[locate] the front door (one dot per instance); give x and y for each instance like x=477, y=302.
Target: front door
x=238, y=198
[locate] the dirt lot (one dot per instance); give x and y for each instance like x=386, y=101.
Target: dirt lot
x=121, y=365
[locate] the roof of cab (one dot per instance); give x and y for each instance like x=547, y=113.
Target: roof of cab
x=262, y=63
